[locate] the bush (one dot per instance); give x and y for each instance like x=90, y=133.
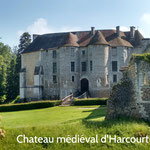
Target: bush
x=2, y=99
x=28, y=106
x=90, y=101
x=16, y=100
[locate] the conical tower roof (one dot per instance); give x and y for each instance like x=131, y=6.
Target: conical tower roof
x=98, y=39
x=118, y=41
x=71, y=40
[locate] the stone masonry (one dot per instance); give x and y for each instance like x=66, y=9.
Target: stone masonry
x=131, y=96
x=56, y=65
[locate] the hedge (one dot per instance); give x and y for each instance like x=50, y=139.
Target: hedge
x=29, y=106
x=90, y=101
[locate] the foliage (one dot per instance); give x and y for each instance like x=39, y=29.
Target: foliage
x=2, y=98
x=138, y=57
x=28, y=106
x=16, y=100
x=5, y=57
x=12, y=80
x=90, y=101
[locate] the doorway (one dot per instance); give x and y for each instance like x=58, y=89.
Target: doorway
x=84, y=85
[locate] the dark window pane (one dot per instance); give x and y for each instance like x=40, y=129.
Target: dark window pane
x=72, y=78
x=83, y=53
x=83, y=66
x=114, y=66
x=72, y=66
x=91, y=65
x=54, y=67
x=54, y=54
x=54, y=79
x=114, y=78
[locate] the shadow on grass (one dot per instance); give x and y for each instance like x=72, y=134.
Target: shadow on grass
x=100, y=113
x=96, y=113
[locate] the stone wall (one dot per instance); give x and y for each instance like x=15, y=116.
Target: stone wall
x=131, y=96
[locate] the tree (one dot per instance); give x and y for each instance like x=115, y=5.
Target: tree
x=12, y=83
x=5, y=55
x=25, y=40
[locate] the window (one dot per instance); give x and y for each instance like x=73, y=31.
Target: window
x=114, y=47
x=72, y=66
x=83, y=66
x=114, y=66
x=114, y=78
x=114, y=51
x=54, y=67
x=91, y=65
x=54, y=79
x=54, y=54
x=72, y=78
x=83, y=52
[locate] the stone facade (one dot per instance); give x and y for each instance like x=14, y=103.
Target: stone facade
x=131, y=96
x=87, y=61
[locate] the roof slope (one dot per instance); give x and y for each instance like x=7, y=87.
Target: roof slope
x=71, y=40
x=84, y=38
x=98, y=39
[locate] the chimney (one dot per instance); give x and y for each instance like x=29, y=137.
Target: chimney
x=92, y=30
x=118, y=31
x=35, y=36
x=132, y=31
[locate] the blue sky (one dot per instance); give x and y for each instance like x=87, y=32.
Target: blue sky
x=48, y=16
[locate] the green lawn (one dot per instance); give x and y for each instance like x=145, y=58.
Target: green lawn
x=63, y=121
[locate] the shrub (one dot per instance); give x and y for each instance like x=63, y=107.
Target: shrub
x=2, y=98
x=16, y=100
x=28, y=106
x=90, y=101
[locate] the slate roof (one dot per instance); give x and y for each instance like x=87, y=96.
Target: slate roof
x=84, y=38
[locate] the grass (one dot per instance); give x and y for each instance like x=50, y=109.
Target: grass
x=63, y=121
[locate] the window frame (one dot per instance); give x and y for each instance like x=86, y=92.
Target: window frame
x=54, y=54
x=54, y=67
x=72, y=66
x=91, y=65
x=114, y=78
x=72, y=78
x=54, y=79
x=83, y=66
x=114, y=66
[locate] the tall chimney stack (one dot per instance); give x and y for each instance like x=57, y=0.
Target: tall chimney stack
x=132, y=31
x=92, y=30
x=118, y=31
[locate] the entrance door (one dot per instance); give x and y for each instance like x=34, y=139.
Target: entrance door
x=84, y=85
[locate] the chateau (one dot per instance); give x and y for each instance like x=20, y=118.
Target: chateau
x=58, y=64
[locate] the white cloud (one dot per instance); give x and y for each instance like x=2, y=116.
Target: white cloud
x=145, y=24
x=41, y=26
x=146, y=18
